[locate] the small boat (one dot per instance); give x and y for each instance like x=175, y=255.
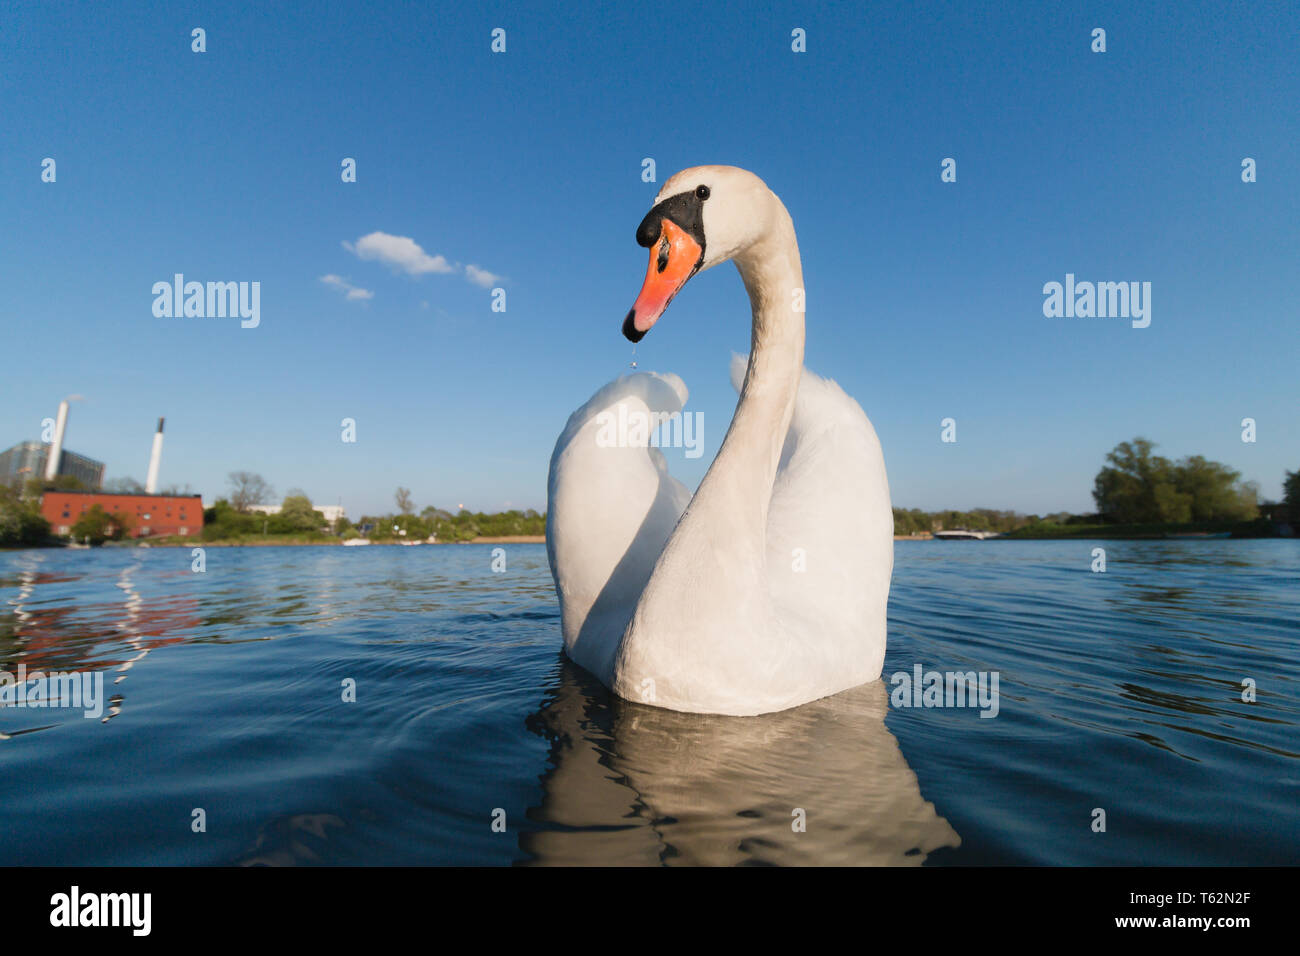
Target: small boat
x=961, y=534
x=355, y=542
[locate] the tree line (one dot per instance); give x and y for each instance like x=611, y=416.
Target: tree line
x=1138, y=487
x=461, y=525
x=1134, y=487
x=233, y=517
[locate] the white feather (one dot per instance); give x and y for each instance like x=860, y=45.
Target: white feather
x=829, y=539
x=610, y=510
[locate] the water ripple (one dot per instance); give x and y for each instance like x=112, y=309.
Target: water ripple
x=387, y=705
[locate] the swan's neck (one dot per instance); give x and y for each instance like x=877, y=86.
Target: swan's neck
x=715, y=562
x=773, y=278
x=730, y=507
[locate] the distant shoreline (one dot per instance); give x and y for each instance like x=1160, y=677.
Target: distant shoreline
x=271, y=542
x=1193, y=531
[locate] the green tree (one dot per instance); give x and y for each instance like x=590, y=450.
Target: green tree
x=297, y=515
x=124, y=485
x=1248, y=500
x=222, y=522
x=97, y=526
x=437, y=519
x=1137, y=486
x=1125, y=489
x=1291, y=495
x=1213, y=491
x=35, y=487
x=21, y=523
x=1171, y=505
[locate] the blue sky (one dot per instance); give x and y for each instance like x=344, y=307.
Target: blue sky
x=924, y=298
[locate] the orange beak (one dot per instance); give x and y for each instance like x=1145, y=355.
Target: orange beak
x=674, y=258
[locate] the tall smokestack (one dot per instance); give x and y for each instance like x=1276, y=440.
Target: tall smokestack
x=56, y=449
x=155, y=459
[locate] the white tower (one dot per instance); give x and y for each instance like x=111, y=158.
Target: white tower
x=155, y=459
x=56, y=449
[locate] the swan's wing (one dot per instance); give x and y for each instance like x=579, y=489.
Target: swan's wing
x=611, y=505
x=830, y=530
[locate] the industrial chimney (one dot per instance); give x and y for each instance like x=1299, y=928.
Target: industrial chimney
x=56, y=449
x=155, y=459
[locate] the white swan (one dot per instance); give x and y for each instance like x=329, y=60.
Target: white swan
x=768, y=588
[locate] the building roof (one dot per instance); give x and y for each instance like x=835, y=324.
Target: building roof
x=114, y=494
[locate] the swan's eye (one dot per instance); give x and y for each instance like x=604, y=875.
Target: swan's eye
x=702, y=192
x=663, y=253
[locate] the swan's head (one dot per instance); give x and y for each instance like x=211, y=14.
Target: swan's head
x=702, y=216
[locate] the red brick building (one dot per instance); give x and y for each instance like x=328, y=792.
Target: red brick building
x=146, y=516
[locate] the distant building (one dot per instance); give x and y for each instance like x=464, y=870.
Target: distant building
x=332, y=513
x=146, y=516
x=27, y=460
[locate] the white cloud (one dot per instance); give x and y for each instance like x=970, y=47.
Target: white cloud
x=399, y=252
x=404, y=254
x=481, y=276
x=354, y=293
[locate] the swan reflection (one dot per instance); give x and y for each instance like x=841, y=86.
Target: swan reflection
x=633, y=784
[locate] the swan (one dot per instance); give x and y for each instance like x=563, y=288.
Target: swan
x=768, y=587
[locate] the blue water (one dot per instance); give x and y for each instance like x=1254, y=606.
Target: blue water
x=1119, y=692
